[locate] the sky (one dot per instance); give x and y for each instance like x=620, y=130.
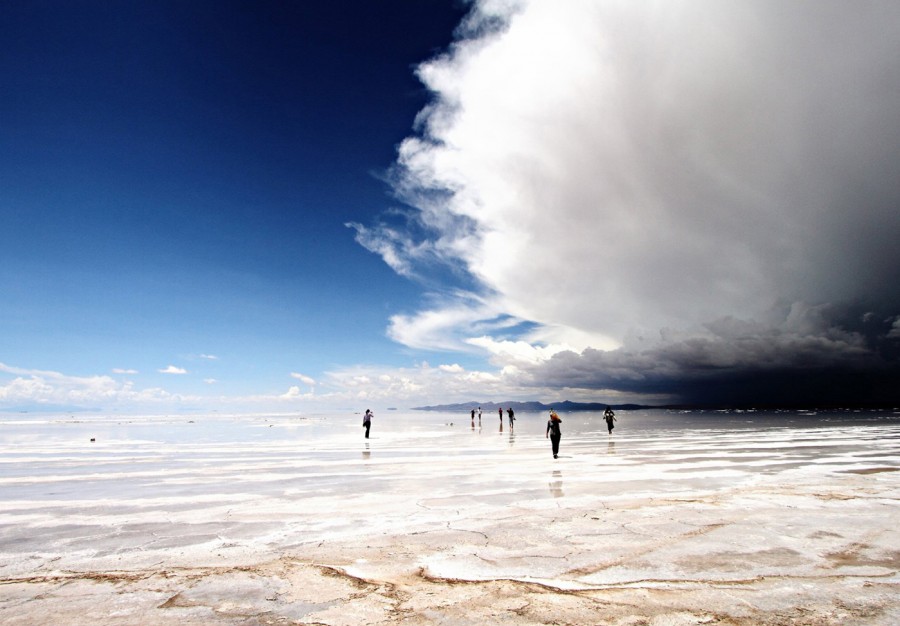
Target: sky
x=339, y=205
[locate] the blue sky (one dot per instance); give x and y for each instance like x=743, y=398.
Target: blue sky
x=313, y=205
x=177, y=178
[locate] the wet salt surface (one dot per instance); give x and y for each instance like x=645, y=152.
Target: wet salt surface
x=231, y=520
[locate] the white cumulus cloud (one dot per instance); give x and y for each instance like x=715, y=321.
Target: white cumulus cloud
x=602, y=169
x=32, y=387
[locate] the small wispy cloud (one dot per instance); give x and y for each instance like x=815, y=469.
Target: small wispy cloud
x=208, y=357
x=895, y=329
x=210, y=381
x=22, y=371
x=303, y=378
x=173, y=370
x=119, y=370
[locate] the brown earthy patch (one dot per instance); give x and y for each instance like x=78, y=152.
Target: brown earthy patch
x=854, y=556
x=740, y=561
x=874, y=470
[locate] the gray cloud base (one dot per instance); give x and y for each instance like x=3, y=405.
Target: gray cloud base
x=816, y=356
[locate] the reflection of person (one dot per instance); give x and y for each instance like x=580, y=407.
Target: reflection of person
x=512, y=416
x=367, y=421
x=553, y=432
x=556, y=487
x=610, y=417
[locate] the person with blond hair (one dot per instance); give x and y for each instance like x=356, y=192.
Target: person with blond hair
x=553, y=432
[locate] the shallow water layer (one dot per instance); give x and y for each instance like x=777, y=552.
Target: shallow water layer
x=201, y=508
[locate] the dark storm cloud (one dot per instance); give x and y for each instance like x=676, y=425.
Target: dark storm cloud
x=813, y=356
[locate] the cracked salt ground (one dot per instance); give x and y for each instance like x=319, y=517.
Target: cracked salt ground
x=677, y=519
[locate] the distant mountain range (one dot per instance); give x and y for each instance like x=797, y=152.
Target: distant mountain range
x=565, y=405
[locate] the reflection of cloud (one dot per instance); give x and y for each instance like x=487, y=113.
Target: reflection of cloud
x=603, y=170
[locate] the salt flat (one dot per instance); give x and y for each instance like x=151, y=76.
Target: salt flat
x=702, y=518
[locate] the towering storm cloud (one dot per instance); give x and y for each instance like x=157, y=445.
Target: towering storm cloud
x=692, y=200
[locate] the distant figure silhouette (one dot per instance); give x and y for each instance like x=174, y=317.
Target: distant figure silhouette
x=610, y=417
x=512, y=416
x=367, y=421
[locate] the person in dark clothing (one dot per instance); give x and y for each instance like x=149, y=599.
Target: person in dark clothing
x=512, y=416
x=610, y=417
x=553, y=432
x=367, y=421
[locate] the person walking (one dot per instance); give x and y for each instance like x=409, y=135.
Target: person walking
x=367, y=421
x=479, y=416
x=512, y=416
x=553, y=432
x=610, y=418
